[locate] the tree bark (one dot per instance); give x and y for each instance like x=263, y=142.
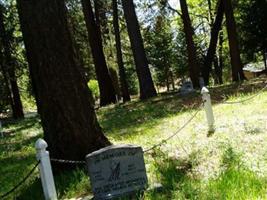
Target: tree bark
x=107, y=91
x=237, y=66
x=66, y=106
x=221, y=56
x=146, y=84
x=9, y=70
x=213, y=42
x=123, y=82
x=172, y=80
x=194, y=68
x=218, y=71
x=264, y=59
x=6, y=81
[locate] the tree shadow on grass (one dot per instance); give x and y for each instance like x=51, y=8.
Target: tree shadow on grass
x=17, y=125
x=149, y=112
x=175, y=175
x=18, y=145
x=235, y=180
x=68, y=184
x=222, y=93
x=146, y=113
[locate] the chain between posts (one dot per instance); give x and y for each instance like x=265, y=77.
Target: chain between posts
x=175, y=133
x=67, y=161
x=21, y=182
x=245, y=100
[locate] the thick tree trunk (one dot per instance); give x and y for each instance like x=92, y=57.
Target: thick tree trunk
x=123, y=82
x=237, y=66
x=213, y=42
x=107, y=91
x=146, y=85
x=194, y=67
x=9, y=70
x=66, y=107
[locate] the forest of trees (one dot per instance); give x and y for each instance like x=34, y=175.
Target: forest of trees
x=51, y=51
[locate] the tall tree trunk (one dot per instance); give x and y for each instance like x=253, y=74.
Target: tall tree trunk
x=194, y=67
x=213, y=42
x=107, y=91
x=123, y=82
x=264, y=59
x=6, y=81
x=66, y=106
x=146, y=85
x=211, y=17
x=167, y=72
x=218, y=71
x=9, y=70
x=237, y=66
x=172, y=80
x=221, y=56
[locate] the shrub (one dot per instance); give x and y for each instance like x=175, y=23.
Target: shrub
x=93, y=85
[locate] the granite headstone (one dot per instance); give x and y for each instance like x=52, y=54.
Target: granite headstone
x=116, y=171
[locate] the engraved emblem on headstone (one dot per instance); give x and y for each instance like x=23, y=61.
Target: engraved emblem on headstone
x=115, y=171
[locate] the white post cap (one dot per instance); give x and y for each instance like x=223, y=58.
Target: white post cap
x=40, y=144
x=204, y=90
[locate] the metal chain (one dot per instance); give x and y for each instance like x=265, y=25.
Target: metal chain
x=175, y=133
x=21, y=182
x=242, y=101
x=67, y=161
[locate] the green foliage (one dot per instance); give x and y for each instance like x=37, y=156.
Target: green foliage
x=160, y=50
x=93, y=86
x=253, y=25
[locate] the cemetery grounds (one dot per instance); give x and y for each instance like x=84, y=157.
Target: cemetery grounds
x=228, y=164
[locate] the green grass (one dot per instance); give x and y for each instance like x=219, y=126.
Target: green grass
x=230, y=164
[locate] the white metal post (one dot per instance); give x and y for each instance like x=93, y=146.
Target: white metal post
x=45, y=170
x=1, y=129
x=208, y=109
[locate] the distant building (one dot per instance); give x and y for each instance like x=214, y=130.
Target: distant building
x=253, y=70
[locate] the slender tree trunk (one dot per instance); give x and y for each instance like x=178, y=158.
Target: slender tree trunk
x=146, y=85
x=237, y=66
x=172, y=79
x=66, y=106
x=264, y=59
x=167, y=74
x=107, y=91
x=6, y=82
x=217, y=70
x=210, y=12
x=213, y=42
x=221, y=57
x=123, y=82
x=16, y=106
x=194, y=67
